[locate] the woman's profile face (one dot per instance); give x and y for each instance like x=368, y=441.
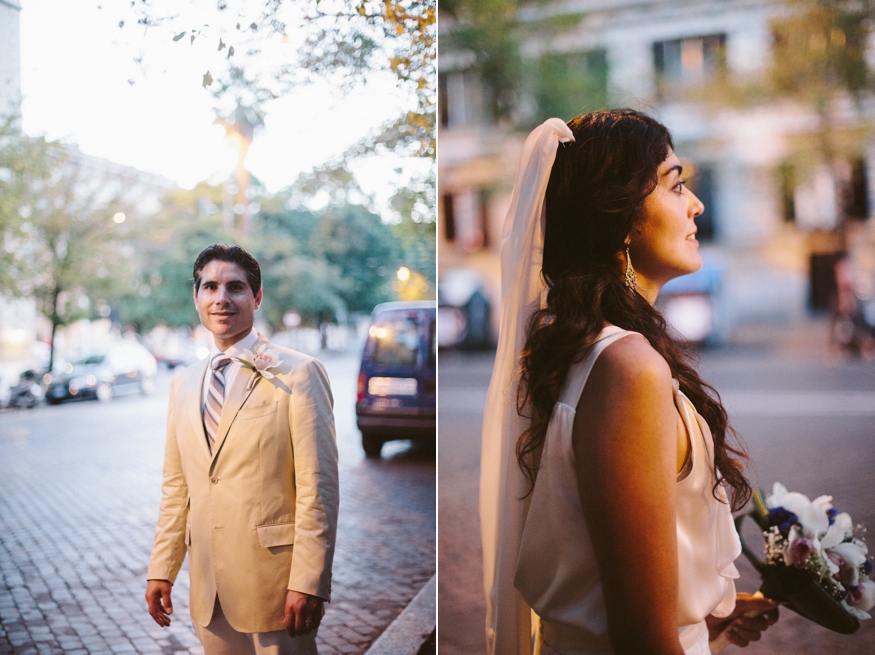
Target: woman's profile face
x=663, y=241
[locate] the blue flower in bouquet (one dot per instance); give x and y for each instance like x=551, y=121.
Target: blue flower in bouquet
x=783, y=518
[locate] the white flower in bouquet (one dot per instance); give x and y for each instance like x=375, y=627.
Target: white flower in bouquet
x=814, y=536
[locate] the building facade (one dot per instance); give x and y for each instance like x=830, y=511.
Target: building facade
x=763, y=226
x=18, y=317
x=10, y=57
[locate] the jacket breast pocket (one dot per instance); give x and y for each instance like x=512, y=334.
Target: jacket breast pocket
x=257, y=412
x=276, y=534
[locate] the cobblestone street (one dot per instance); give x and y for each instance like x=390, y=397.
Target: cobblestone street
x=79, y=492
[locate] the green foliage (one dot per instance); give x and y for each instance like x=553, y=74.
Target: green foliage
x=492, y=33
x=818, y=56
x=60, y=243
x=257, y=53
x=819, y=49
x=357, y=244
x=163, y=295
x=415, y=231
x=568, y=84
x=20, y=160
x=295, y=281
x=161, y=292
x=819, y=60
x=319, y=264
x=489, y=31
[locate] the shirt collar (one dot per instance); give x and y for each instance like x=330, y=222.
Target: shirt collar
x=246, y=343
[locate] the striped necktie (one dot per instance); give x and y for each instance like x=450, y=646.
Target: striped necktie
x=215, y=398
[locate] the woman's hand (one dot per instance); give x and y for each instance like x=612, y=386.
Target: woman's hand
x=752, y=615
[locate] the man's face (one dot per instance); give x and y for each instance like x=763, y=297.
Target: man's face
x=225, y=303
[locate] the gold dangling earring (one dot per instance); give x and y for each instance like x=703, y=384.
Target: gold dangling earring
x=631, y=278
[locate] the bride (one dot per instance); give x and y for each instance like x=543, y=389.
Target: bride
x=608, y=476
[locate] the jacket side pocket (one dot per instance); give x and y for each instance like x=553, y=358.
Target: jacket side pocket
x=276, y=534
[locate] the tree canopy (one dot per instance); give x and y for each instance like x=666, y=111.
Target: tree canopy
x=322, y=265
x=489, y=34
x=820, y=64
x=261, y=52
x=341, y=41
x=64, y=226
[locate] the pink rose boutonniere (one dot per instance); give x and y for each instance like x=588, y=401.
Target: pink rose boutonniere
x=259, y=362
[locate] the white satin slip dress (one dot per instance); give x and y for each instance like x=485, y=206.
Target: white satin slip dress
x=556, y=570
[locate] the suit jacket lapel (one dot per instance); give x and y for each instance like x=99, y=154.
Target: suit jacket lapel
x=235, y=396
x=193, y=403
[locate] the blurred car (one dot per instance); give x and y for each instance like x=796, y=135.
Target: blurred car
x=464, y=310
x=691, y=305
x=170, y=362
x=397, y=382
x=125, y=367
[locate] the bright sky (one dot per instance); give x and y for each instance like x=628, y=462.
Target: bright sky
x=76, y=64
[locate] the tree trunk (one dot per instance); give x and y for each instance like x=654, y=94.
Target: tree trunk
x=53, y=316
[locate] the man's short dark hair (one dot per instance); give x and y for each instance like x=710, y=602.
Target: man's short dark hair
x=232, y=255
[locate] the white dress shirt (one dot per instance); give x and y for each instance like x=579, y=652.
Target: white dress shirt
x=246, y=343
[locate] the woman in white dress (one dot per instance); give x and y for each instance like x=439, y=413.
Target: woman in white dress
x=608, y=473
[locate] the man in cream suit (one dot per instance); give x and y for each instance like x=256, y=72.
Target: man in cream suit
x=250, y=487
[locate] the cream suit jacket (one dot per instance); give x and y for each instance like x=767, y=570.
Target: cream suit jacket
x=259, y=515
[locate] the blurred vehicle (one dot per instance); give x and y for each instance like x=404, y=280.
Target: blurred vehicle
x=852, y=307
x=27, y=392
x=397, y=382
x=170, y=362
x=125, y=367
x=690, y=304
x=464, y=311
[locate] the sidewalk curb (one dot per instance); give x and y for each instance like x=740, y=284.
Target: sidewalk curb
x=406, y=634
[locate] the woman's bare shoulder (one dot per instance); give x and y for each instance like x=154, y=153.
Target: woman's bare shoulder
x=633, y=363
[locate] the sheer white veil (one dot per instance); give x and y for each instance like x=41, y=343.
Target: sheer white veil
x=502, y=484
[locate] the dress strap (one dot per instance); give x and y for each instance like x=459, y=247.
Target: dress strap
x=579, y=371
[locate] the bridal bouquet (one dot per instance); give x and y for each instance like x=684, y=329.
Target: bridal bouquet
x=816, y=560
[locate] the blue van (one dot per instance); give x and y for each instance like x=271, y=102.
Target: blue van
x=397, y=382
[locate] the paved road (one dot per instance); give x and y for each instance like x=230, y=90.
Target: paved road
x=808, y=420
x=79, y=492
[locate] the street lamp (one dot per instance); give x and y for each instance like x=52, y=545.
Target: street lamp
x=239, y=129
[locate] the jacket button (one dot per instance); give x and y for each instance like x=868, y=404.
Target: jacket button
x=214, y=480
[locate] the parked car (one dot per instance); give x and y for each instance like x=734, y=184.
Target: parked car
x=396, y=396
x=125, y=367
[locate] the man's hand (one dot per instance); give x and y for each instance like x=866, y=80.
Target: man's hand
x=158, y=598
x=303, y=613
x=752, y=615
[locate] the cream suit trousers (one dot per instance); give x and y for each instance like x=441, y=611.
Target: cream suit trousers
x=219, y=638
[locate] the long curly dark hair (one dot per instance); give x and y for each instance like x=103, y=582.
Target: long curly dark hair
x=596, y=193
